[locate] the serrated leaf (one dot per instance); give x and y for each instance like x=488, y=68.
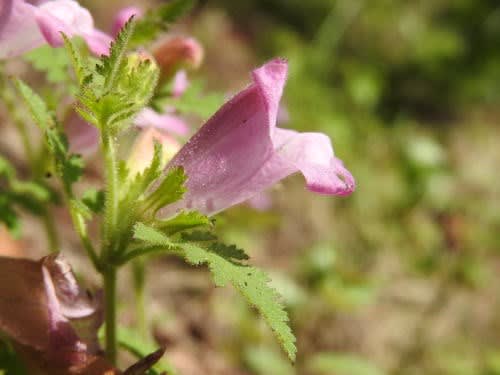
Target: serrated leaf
x=110, y=66
x=152, y=236
x=69, y=166
x=183, y=221
x=170, y=190
x=198, y=236
x=158, y=20
x=252, y=283
x=79, y=64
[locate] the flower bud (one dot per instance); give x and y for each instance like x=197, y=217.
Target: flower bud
x=177, y=53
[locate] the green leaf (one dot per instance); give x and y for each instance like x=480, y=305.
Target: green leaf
x=170, y=190
x=252, y=283
x=29, y=195
x=110, y=66
x=94, y=199
x=53, y=62
x=158, y=20
x=69, y=166
x=151, y=235
x=198, y=236
x=80, y=67
x=183, y=221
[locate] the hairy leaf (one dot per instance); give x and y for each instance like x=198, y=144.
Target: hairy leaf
x=252, y=283
x=69, y=166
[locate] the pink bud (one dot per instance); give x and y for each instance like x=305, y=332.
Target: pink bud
x=177, y=52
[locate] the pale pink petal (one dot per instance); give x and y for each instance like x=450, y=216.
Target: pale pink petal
x=68, y=17
x=24, y=26
x=123, y=16
x=239, y=152
x=261, y=202
x=19, y=31
x=165, y=122
x=180, y=83
x=98, y=42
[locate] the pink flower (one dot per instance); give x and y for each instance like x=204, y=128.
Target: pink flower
x=240, y=152
x=24, y=26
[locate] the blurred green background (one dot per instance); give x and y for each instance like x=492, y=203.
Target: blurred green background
x=400, y=277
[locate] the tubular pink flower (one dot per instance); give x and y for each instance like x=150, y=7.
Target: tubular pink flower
x=24, y=26
x=240, y=152
x=123, y=16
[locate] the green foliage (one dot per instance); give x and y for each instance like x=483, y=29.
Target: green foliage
x=183, y=221
x=159, y=20
x=94, y=199
x=115, y=88
x=152, y=236
x=53, y=62
x=170, y=190
x=69, y=166
x=14, y=193
x=225, y=264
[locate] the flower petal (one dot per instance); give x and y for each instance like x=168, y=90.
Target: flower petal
x=18, y=30
x=68, y=17
x=165, y=121
x=239, y=152
x=312, y=155
x=232, y=147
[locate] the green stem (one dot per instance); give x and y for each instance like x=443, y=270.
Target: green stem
x=50, y=230
x=139, y=276
x=109, y=276
x=111, y=211
x=110, y=229
x=81, y=230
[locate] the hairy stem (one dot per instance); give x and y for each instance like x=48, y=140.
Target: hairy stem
x=139, y=274
x=110, y=239
x=111, y=208
x=109, y=276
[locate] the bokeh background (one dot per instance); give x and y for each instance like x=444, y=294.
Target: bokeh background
x=402, y=276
